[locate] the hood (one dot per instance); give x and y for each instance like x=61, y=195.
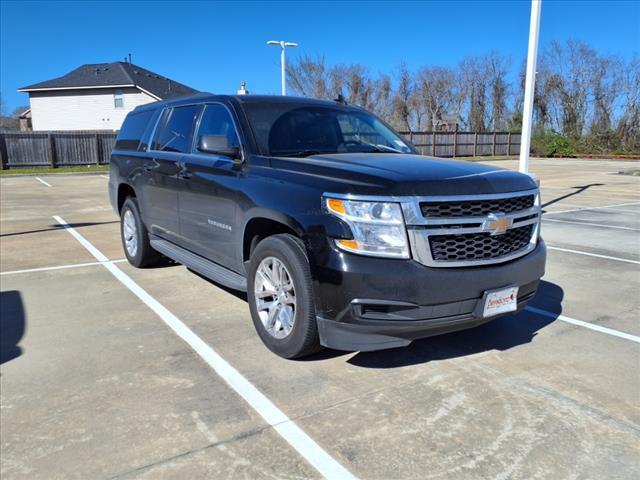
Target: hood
x=401, y=174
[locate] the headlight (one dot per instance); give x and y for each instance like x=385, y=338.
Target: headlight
x=377, y=227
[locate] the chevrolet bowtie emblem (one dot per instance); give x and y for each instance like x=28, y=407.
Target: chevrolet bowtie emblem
x=496, y=224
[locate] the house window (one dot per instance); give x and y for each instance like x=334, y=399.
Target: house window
x=118, y=99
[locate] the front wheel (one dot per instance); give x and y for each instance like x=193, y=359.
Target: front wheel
x=280, y=294
x=135, y=238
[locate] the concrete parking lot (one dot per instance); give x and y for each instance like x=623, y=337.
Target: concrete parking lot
x=113, y=372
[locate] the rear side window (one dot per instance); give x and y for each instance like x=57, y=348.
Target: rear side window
x=174, y=134
x=132, y=129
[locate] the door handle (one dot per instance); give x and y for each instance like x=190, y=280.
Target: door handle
x=186, y=174
x=147, y=168
x=182, y=170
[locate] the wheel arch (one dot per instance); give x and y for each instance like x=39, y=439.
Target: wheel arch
x=124, y=190
x=263, y=223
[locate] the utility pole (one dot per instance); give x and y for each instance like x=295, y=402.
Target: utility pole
x=529, y=87
x=283, y=65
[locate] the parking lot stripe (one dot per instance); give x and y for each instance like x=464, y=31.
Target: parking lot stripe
x=324, y=463
x=42, y=182
x=580, y=323
x=589, y=254
x=59, y=267
x=593, y=208
x=589, y=224
x=84, y=242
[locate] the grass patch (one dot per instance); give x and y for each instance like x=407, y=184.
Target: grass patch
x=45, y=170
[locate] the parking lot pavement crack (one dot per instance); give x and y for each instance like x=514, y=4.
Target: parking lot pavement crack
x=554, y=395
x=367, y=394
x=222, y=443
x=590, y=411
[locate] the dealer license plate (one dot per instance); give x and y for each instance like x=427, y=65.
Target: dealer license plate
x=501, y=301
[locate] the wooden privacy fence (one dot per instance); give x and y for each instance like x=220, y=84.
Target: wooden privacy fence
x=62, y=149
x=465, y=144
x=55, y=149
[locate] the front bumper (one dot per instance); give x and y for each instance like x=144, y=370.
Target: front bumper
x=366, y=303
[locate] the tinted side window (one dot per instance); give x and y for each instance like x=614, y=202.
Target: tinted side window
x=216, y=120
x=146, y=136
x=132, y=130
x=174, y=135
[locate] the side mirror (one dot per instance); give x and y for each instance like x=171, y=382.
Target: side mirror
x=218, y=145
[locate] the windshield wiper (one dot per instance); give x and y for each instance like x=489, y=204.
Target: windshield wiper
x=301, y=153
x=378, y=150
x=383, y=149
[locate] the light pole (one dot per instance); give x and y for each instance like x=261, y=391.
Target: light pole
x=529, y=88
x=283, y=45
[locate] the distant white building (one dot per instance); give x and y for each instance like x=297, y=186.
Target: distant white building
x=97, y=96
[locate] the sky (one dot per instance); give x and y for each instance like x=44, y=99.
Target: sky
x=213, y=46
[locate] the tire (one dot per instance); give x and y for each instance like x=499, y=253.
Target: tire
x=302, y=338
x=142, y=255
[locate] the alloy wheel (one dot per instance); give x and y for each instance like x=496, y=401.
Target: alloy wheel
x=275, y=297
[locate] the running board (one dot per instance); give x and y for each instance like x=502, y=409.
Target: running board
x=205, y=267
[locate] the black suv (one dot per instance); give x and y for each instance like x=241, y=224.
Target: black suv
x=339, y=232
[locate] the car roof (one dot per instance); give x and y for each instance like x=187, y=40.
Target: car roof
x=242, y=99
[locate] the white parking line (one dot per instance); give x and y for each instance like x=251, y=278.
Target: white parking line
x=324, y=463
x=590, y=326
x=589, y=224
x=42, y=182
x=593, y=208
x=59, y=267
x=589, y=254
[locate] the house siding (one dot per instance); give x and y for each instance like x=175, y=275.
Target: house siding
x=83, y=109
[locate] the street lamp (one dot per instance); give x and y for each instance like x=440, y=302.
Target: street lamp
x=283, y=45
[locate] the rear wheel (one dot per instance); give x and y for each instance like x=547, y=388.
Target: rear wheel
x=280, y=294
x=135, y=237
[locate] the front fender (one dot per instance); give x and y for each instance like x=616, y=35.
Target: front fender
x=276, y=216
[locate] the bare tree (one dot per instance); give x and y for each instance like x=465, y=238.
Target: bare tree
x=605, y=87
x=3, y=106
x=571, y=72
x=403, y=99
x=498, y=66
x=474, y=79
x=353, y=83
x=628, y=127
x=19, y=111
x=438, y=93
x=577, y=91
x=382, y=96
x=309, y=76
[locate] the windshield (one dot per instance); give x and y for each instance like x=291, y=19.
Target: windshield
x=286, y=129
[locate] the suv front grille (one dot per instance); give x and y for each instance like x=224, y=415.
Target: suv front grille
x=469, y=230
x=479, y=246
x=475, y=208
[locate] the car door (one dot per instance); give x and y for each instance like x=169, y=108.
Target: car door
x=162, y=167
x=209, y=198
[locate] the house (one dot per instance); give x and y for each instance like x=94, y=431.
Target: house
x=97, y=96
x=448, y=123
x=25, y=121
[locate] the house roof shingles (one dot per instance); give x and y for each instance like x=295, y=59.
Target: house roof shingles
x=116, y=74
